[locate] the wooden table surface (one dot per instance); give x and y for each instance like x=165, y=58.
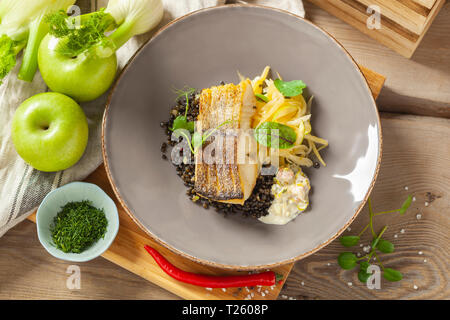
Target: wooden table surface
x=419, y=86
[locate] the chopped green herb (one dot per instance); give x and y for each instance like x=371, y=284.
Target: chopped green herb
x=290, y=88
x=77, y=226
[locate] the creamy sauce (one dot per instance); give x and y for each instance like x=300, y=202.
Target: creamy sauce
x=290, y=192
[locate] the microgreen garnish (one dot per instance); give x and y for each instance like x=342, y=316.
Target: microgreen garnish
x=181, y=122
x=261, y=97
x=348, y=260
x=290, y=88
x=78, y=39
x=77, y=226
x=184, y=92
x=275, y=135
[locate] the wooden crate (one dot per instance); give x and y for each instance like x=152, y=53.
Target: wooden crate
x=403, y=23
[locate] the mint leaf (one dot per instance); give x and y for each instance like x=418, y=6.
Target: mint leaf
x=275, y=135
x=290, y=88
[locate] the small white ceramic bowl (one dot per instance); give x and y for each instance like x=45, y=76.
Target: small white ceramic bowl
x=76, y=191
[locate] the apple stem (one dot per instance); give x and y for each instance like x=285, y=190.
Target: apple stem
x=38, y=30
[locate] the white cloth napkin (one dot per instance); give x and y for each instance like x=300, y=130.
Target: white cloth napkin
x=22, y=188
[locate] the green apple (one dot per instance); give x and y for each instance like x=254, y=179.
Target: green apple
x=84, y=78
x=50, y=131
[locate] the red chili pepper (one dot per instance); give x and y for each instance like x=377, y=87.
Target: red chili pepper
x=268, y=278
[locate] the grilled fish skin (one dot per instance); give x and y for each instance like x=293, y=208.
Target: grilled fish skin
x=226, y=179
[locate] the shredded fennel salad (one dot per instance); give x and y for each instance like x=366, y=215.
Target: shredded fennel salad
x=293, y=112
x=283, y=103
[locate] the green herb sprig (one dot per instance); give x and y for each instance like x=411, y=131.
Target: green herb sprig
x=199, y=139
x=348, y=260
x=181, y=122
x=77, y=226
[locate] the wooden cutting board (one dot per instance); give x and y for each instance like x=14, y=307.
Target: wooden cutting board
x=403, y=23
x=128, y=251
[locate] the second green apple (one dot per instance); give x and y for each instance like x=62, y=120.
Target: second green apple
x=50, y=131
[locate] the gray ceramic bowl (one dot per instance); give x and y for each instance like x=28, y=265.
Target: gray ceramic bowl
x=200, y=50
x=76, y=191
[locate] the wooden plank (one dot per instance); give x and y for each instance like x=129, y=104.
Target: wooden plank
x=357, y=18
x=426, y=3
x=416, y=7
x=374, y=79
x=416, y=154
x=419, y=85
x=399, y=13
x=402, y=28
